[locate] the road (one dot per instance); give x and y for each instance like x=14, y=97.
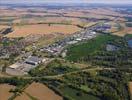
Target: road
x=61, y=75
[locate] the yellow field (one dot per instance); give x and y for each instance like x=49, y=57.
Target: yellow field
x=124, y=30
x=63, y=20
x=23, y=31
x=4, y=91
x=107, y=11
x=23, y=96
x=3, y=26
x=41, y=92
x=130, y=89
x=21, y=20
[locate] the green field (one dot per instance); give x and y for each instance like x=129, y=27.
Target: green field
x=75, y=94
x=84, y=49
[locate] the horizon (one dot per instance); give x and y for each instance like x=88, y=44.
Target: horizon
x=65, y=2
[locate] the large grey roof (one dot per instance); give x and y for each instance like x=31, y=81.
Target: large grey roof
x=33, y=59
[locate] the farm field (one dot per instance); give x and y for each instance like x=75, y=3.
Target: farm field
x=89, y=14
x=65, y=20
x=3, y=26
x=130, y=88
x=107, y=11
x=23, y=96
x=27, y=16
x=41, y=92
x=4, y=91
x=83, y=17
x=16, y=13
x=123, y=30
x=23, y=31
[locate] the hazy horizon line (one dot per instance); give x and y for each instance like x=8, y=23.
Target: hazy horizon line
x=69, y=3
x=65, y=2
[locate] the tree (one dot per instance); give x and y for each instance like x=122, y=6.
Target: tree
x=4, y=67
x=110, y=96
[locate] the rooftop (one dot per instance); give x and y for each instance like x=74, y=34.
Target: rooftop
x=33, y=59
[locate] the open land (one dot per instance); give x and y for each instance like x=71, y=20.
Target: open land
x=21, y=20
x=130, y=88
x=23, y=96
x=41, y=92
x=23, y=31
x=4, y=91
x=123, y=30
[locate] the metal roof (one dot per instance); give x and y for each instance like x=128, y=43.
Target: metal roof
x=33, y=59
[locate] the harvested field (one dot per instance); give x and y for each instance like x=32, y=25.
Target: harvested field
x=130, y=88
x=4, y=91
x=107, y=11
x=88, y=15
x=124, y=30
x=62, y=20
x=42, y=92
x=35, y=20
x=3, y=26
x=75, y=14
x=90, y=24
x=23, y=96
x=23, y=31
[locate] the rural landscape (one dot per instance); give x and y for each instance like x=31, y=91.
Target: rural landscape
x=62, y=51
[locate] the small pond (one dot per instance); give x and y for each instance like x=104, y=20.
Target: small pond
x=111, y=47
x=130, y=43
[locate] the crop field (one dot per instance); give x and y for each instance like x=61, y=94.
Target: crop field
x=55, y=20
x=23, y=31
x=89, y=14
x=106, y=11
x=20, y=16
x=130, y=88
x=3, y=26
x=16, y=13
x=65, y=20
x=4, y=91
x=23, y=96
x=123, y=30
x=41, y=92
x=75, y=14
x=27, y=22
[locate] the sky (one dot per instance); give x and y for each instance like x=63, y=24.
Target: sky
x=69, y=1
